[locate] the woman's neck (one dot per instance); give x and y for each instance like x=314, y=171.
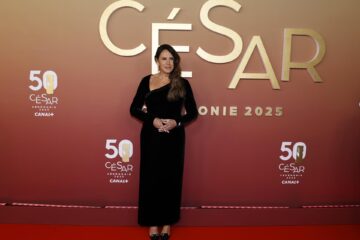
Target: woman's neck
x=163, y=75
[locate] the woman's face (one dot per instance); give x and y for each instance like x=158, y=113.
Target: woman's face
x=165, y=62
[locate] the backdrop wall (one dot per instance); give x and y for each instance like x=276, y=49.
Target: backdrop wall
x=65, y=97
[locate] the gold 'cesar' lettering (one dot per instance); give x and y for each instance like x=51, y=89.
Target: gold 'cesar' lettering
x=310, y=65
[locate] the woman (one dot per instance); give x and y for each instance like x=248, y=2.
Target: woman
x=164, y=102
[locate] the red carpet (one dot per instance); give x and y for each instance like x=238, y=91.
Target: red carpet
x=57, y=232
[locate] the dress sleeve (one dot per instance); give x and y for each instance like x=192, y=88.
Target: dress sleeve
x=190, y=106
x=139, y=100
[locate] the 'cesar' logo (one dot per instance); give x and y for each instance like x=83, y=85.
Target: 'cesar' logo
x=255, y=43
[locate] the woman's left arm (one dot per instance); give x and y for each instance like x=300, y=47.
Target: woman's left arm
x=190, y=106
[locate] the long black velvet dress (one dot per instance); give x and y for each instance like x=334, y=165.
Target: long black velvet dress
x=162, y=154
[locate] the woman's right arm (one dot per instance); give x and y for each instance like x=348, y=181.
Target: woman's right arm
x=136, y=108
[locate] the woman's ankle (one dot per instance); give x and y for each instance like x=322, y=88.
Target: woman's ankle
x=153, y=230
x=166, y=229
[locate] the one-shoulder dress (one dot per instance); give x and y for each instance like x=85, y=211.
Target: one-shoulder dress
x=161, y=153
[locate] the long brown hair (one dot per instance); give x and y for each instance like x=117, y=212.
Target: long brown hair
x=177, y=89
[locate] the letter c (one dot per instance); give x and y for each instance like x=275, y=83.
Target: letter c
x=107, y=165
x=103, y=27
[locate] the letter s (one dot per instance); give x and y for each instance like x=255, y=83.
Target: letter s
x=204, y=17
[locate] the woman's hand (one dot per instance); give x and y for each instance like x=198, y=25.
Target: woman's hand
x=164, y=125
x=168, y=124
x=157, y=123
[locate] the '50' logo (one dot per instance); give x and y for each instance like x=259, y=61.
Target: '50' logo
x=124, y=149
x=297, y=152
x=49, y=81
